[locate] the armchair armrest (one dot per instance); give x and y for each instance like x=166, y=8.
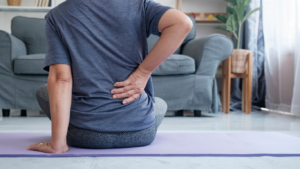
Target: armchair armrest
x=208, y=52
x=10, y=48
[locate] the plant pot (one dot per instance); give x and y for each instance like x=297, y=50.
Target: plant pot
x=14, y=2
x=239, y=60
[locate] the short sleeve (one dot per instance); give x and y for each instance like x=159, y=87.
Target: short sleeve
x=56, y=50
x=153, y=13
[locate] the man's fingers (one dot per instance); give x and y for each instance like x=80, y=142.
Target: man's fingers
x=122, y=90
x=29, y=147
x=120, y=84
x=33, y=147
x=123, y=95
x=128, y=93
x=44, y=147
x=131, y=99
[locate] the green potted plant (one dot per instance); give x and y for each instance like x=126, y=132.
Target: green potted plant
x=234, y=22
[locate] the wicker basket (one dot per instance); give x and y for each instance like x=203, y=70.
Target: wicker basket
x=239, y=60
x=13, y=2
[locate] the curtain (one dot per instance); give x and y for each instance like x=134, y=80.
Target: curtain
x=295, y=109
x=282, y=59
x=252, y=39
x=281, y=20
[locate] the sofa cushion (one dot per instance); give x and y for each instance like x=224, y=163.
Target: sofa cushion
x=30, y=64
x=176, y=64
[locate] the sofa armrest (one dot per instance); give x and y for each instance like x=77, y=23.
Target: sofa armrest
x=208, y=52
x=10, y=48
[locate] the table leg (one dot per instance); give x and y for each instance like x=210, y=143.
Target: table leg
x=224, y=88
x=244, y=93
x=249, y=84
x=228, y=84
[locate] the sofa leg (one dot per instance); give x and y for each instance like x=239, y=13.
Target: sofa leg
x=197, y=113
x=179, y=113
x=23, y=113
x=5, y=112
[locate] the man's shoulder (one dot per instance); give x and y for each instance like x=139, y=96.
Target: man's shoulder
x=58, y=10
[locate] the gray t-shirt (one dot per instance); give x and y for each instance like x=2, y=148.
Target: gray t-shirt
x=104, y=41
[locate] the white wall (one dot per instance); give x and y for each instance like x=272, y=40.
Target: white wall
x=5, y=17
x=187, y=6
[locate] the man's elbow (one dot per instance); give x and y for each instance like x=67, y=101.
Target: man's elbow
x=186, y=24
x=64, y=80
x=60, y=73
x=61, y=78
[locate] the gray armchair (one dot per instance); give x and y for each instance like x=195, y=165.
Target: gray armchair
x=196, y=88
x=22, y=54
x=186, y=80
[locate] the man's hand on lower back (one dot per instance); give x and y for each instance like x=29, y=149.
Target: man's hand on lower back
x=132, y=87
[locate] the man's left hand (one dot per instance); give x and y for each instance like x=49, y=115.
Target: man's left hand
x=47, y=147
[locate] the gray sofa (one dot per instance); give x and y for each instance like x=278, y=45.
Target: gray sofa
x=186, y=80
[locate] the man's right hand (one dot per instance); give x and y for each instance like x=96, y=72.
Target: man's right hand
x=132, y=87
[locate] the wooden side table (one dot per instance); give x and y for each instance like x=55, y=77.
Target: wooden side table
x=247, y=85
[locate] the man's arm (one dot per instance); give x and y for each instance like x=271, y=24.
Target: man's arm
x=60, y=96
x=174, y=27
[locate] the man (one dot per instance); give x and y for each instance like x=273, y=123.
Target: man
x=99, y=92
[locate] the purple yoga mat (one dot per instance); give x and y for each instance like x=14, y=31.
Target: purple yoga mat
x=168, y=144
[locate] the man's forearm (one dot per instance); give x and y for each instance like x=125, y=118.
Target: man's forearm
x=60, y=94
x=171, y=38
